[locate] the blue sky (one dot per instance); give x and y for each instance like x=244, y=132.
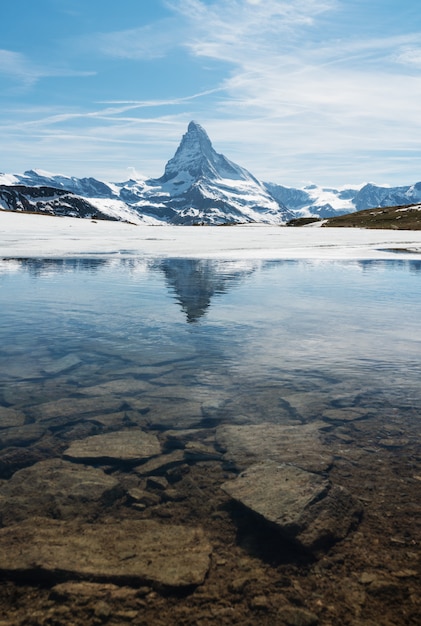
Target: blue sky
x=296, y=91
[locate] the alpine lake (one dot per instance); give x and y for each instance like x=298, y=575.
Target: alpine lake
x=209, y=442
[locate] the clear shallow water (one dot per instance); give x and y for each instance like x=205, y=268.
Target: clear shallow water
x=93, y=347
x=211, y=339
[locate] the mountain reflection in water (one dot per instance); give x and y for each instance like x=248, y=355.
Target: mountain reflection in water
x=195, y=282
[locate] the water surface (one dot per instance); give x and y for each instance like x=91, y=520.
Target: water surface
x=212, y=331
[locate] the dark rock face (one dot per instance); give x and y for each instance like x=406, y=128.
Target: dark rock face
x=88, y=187
x=372, y=196
x=305, y=507
x=14, y=458
x=47, y=200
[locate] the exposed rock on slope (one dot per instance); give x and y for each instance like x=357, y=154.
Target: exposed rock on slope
x=47, y=200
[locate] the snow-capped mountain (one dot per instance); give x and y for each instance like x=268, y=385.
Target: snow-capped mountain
x=327, y=202
x=315, y=201
x=372, y=196
x=198, y=186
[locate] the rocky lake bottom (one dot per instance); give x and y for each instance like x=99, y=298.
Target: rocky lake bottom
x=188, y=442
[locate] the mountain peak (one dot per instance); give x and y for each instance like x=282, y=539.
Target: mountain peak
x=196, y=127
x=196, y=158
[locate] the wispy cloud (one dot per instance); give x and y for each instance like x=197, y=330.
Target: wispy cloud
x=22, y=71
x=308, y=87
x=409, y=56
x=115, y=113
x=231, y=29
x=167, y=101
x=15, y=66
x=151, y=41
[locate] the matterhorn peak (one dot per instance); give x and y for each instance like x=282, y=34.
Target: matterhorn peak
x=194, y=151
x=196, y=157
x=196, y=142
x=197, y=136
x=195, y=127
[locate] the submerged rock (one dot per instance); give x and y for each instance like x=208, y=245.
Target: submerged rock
x=122, y=552
x=124, y=446
x=307, y=404
x=10, y=418
x=299, y=444
x=198, y=452
x=345, y=414
x=305, y=507
x=116, y=421
x=161, y=464
x=293, y=616
x=56, y=488
x=21, y=435
x=62, y=365
x=86, y=591
x=14, y=458
x=75, y=408
x=124, y=387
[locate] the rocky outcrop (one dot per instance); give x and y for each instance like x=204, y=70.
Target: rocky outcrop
x=47, y=200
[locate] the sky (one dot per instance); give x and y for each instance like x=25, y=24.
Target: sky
x=296, y=91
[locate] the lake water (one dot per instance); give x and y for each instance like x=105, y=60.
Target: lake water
x=211, y=331
x=326, y=356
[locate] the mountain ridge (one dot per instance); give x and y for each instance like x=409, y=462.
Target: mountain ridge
x=198, y=186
